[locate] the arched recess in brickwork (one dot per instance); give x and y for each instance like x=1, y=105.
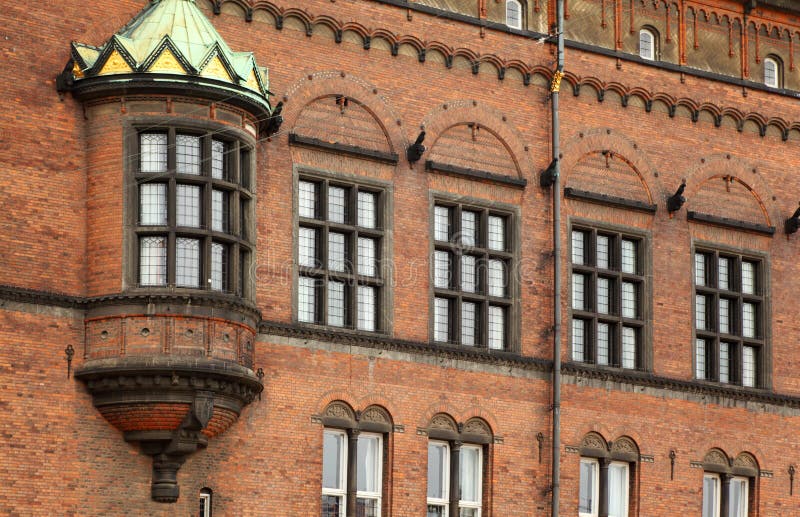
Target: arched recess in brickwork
x=477, y=430
x=625, y=448
x=359, y=114
x=468, y=134
x=339, y=414
x=716, y=460
x=605, y=162
x=594, y=445
x=375, y=415
x=727, y=187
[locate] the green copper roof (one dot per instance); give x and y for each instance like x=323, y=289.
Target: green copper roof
x=170, y=37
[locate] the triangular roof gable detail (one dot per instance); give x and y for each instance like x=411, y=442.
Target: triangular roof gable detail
x=112, y=49
x=216, y=53
x=167, y=58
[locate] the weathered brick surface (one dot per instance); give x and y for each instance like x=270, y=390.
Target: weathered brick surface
x=62, y=229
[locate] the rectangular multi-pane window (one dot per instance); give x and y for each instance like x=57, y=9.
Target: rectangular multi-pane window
x=339, y=242
x=472, y=269
x=608, y=285
x=711, y=495
x=470, y=480
x=589, y=491
x=729, y=307
x=369, y=463
x=175, y=214
x=334, y=473
x=438, y=479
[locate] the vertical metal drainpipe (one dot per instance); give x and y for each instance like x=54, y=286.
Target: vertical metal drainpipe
x=559, y=73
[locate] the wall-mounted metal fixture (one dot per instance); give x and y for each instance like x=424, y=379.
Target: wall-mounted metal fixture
x=415, y=150
x=793, y=223
x=548, y=176
x=672, y=456
x=70, y=353
x=676, y=200
x=791, y=479
x=540, y=439
x=260, y=375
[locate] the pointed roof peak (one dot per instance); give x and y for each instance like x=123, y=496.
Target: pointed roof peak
x=173, y=38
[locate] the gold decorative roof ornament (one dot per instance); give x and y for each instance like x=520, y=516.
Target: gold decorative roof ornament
x=169, y=45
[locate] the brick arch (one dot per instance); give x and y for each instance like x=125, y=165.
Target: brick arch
x=727, y=187
x=459, y=114
x=591, y=150
x=433, y=410
x=381, y=401
x=363, y=94
x=586, y=149
x=334, y=396
x=480, y=413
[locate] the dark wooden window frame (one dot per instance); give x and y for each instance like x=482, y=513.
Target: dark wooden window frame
x=481, y=296
x=735, y=337
x=350, y=276
x=237, y=182
x=614, y=319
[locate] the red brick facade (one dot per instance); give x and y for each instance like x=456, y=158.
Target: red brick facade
x=631, y=130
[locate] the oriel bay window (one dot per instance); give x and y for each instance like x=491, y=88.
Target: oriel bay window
x=339, y=249
x=609, y=290
x=729, y=318
x=193, y=211
x=473, y=270
x=353, y=456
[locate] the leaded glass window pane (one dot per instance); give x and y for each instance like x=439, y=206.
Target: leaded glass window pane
x=367, y=210
x=497, y=327
x=469, y=228
x=153, y=152
x=219, y=267
x=700, y=311
x=748, y=278
x=366, y=257
x=153, y=204
x=700, y=358
x=187, y=262
x=724, y=362
x=307, y=247
x=603, y=343
x=153, y=260
x=187, y=154
x=724, y=316
x=307, y=299
x=748, y=366
x=578, y=291
x=628, y=347
x=441, y=331
x=187, y=206
x=336, y=251
x=441, y=223
x=441, y=269
x=336, y=303
x=646, y=46
x=469, y=274
x=497, y=278
x=603, y=295
x=723, y=273
x=603, y=252
x=497, y=233
x=699, y=269
x=629, y=256
x=367, y=307
x=578, y=339
x=219, y=159
x=578, y=247
x=513, y=14
x=337, y=204
x=748, y=320
x=219, y=210
x=307, y=205
x=629, y=301
x=469, y=323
